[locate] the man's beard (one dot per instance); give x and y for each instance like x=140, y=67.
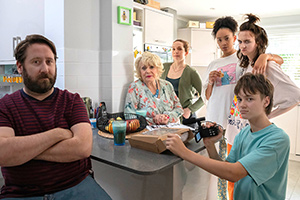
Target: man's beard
x=37, y=85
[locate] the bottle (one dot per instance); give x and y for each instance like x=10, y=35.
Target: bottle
x=102, y=113
x=88, y=105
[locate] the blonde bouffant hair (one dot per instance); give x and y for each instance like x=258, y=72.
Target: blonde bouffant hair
x=148, y=59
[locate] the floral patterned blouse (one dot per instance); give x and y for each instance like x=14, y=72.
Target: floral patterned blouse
x=139, y=96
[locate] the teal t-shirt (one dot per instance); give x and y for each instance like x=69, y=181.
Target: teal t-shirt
x=264, y=154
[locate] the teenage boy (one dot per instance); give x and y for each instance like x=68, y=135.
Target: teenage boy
x=258, y=161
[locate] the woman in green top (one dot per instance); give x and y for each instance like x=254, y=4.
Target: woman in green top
x=185, y=80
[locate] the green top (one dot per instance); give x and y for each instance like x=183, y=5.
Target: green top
x=189, y=81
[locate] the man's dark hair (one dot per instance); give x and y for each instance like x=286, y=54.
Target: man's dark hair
x=20, y=51
x=253, y=83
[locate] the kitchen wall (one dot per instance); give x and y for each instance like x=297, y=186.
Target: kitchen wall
x=81, y=47
x=116, y=55
x=95, y=52
x=73, y=25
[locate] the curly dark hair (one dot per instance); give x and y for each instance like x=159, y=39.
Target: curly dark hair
x=225, y=22
x=261, y=39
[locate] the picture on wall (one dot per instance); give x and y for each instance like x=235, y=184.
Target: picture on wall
x=124, y=15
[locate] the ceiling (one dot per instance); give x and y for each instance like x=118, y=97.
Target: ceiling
x=200, y=10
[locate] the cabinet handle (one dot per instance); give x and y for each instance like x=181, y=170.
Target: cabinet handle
x=18, y=40
x=160, y=41
x=14, y=45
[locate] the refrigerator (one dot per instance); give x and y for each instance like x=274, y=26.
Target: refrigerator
x=164, y=52
x=10, y=80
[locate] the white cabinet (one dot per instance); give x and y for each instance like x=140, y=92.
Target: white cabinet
x=290, y=123
x=158, y=27
x=18, y=19
x=203, y=46
x=298, y=133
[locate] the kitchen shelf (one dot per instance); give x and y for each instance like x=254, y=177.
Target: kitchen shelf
x=138, y=14
x=138, y=27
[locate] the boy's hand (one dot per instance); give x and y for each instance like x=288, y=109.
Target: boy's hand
x=174, y=144
x=209, y=141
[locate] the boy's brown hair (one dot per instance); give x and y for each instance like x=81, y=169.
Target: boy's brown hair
x=254, y=83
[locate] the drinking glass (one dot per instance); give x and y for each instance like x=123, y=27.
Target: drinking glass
x=119, y=131
x=142, y=112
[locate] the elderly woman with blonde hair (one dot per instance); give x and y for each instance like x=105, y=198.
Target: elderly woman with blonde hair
x=150, y=92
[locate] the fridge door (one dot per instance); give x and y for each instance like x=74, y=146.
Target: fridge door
x=164, y=52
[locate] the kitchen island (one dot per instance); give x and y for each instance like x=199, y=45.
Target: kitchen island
x=131, y=173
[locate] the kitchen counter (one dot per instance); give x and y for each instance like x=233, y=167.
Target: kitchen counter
x=135, y=160
x=131, y=173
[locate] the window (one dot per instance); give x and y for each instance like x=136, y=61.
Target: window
x=287, y=45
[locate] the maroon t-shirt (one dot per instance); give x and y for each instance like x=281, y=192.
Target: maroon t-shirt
x=28, y=116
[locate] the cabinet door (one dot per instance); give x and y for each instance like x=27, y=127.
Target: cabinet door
x=298, y=132
x=18, y=19
x=158, y=27
x=288, y=122
x=203, y=47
